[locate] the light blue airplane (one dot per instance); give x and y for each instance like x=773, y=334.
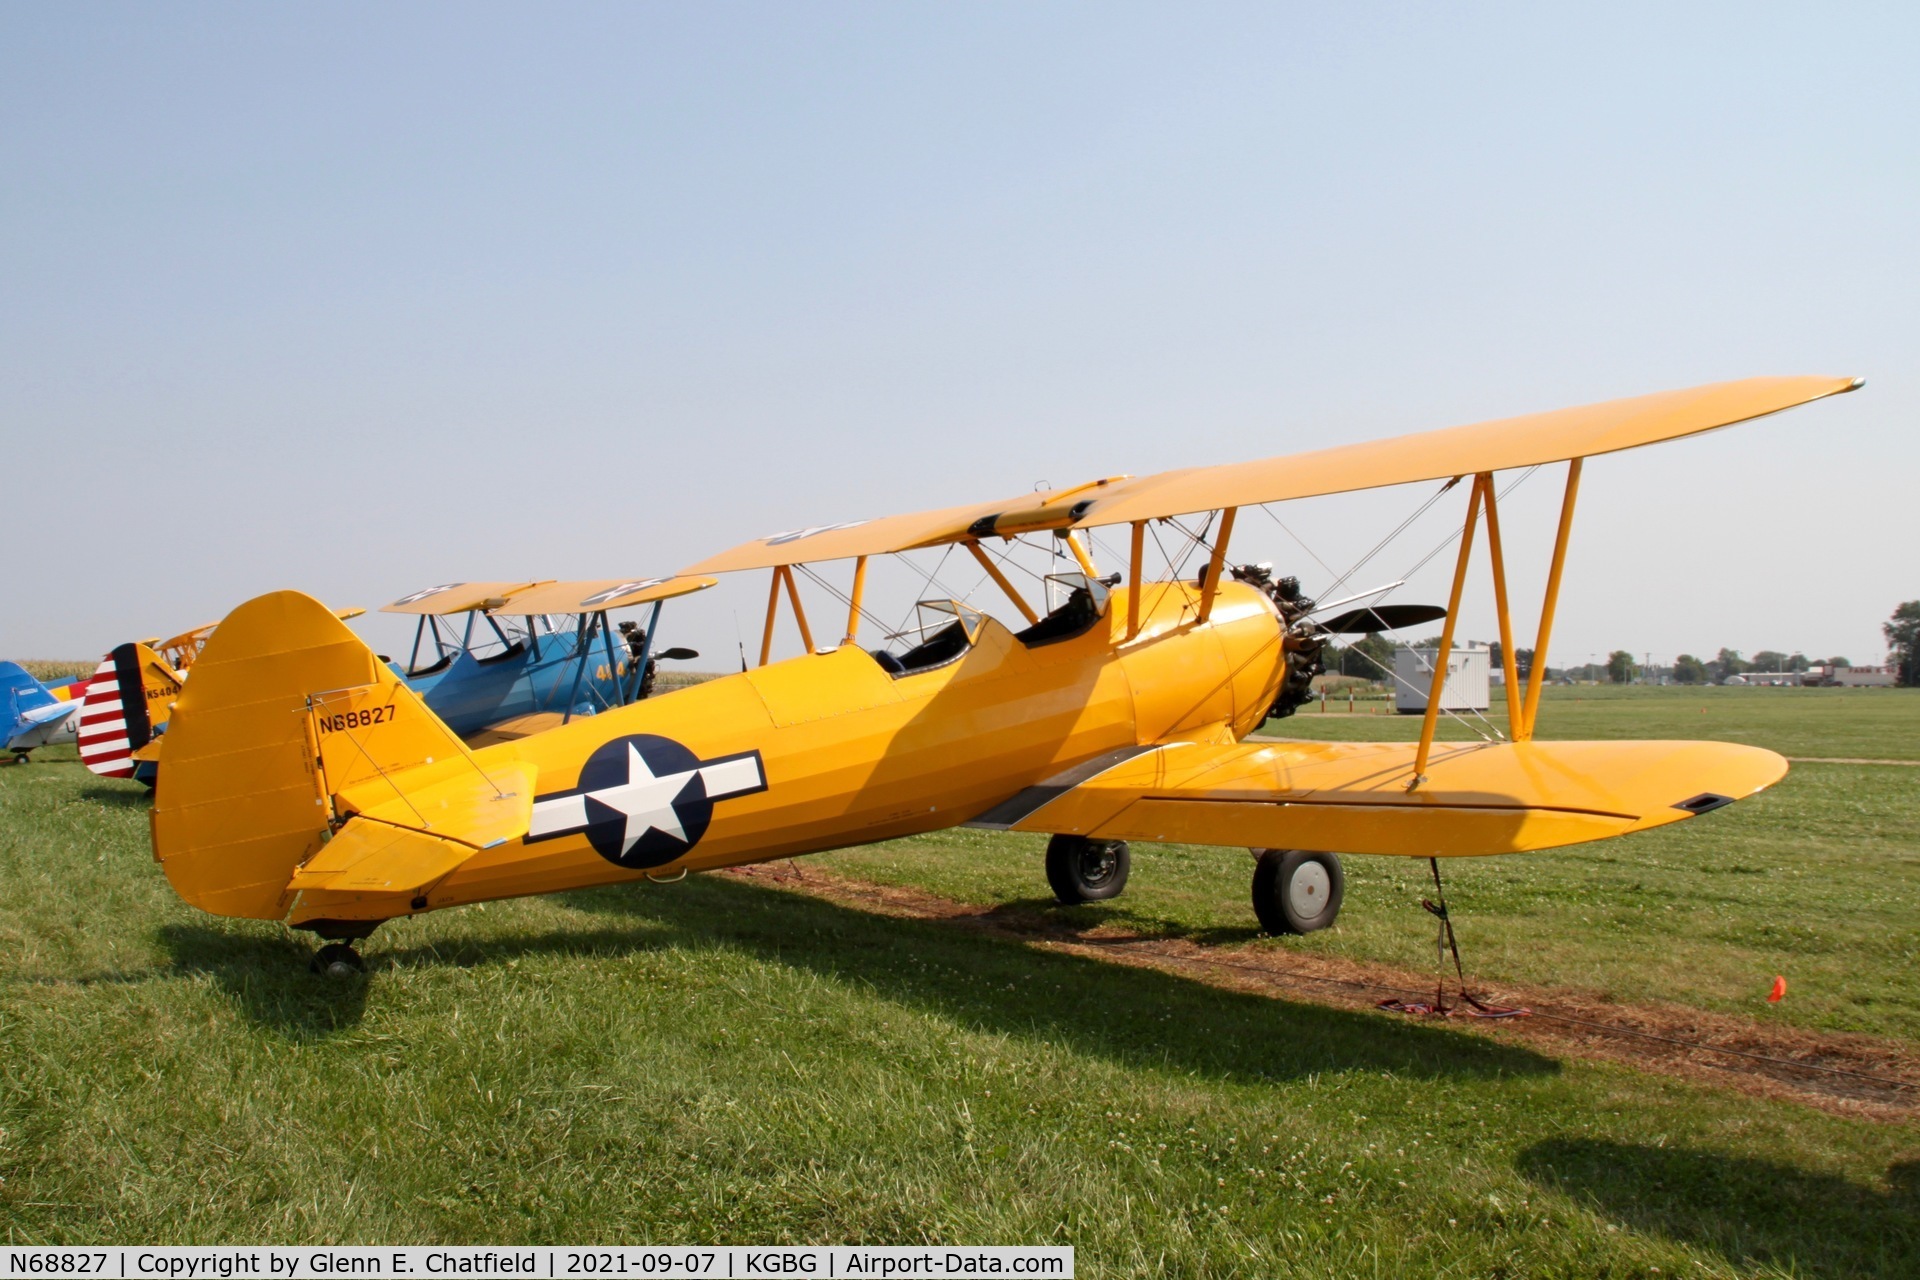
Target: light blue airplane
x=33, y=714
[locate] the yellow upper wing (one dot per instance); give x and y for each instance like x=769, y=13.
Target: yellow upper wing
x=1433, y=455
x=1352, y=797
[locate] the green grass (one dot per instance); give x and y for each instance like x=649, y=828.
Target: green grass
x=1817, y=879
x=723, y=1061
x=1849, y=723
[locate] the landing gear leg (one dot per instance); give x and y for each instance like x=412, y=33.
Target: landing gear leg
x=336, y=958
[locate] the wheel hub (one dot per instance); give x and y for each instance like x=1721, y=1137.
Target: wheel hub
x=1097, y=864
x=1307, y=892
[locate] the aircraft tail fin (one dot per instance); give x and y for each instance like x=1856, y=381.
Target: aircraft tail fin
x=292, y=734
x=128, y=694
x=27, y=692
x=20, y=694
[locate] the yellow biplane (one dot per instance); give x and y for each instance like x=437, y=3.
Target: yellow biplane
x=306, y=783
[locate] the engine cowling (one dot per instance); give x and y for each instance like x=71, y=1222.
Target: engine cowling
x=1305, y=645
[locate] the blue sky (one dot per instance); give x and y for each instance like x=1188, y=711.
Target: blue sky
x=359, y=298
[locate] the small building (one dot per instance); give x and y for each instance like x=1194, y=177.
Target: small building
x=1854, y=677
x=1466, y=688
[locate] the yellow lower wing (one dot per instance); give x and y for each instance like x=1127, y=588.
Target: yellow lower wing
x=1352, y=797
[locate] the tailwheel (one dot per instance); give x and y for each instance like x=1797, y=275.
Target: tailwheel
x=20, y=757
x=1295, y=891
x=1083, y=870
x=337, y=960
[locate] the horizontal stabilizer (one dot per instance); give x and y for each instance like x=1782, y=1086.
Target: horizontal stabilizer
x=1352, y=797
x=427, y=824
x=470, y=806
x=372, y=857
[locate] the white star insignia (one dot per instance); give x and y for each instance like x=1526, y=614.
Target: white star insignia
x=646, y=800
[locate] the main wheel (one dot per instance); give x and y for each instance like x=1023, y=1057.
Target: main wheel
x=337, y=960
x=1083, y=870
x=1295, y=891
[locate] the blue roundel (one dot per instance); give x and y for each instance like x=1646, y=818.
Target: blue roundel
x=644, y=800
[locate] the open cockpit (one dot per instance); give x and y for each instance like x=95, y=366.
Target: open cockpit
x=944, y=630
x=1082, y=604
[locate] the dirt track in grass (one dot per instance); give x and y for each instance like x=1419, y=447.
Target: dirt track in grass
x=1845, y=1074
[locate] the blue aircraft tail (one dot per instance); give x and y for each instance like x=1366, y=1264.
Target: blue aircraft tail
x=19, y=691
x=19, y=694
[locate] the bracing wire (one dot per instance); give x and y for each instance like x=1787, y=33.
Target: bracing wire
x=1268, y=508
x=1399, y=529
x=842, y=596
x=1493, y=731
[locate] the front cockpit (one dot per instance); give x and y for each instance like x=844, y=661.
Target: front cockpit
x=944, y=630
x=1083, y=602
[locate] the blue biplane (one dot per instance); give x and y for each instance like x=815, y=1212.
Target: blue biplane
x=501, y=660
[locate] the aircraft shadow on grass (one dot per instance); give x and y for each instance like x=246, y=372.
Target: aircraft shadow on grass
x=1754, y=1213
x=266, y=977
x=128, y=797
x=1138, y=1016
x=1037, y=914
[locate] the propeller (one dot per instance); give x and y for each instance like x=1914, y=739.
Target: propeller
x=1381, y=617
x=677, y=655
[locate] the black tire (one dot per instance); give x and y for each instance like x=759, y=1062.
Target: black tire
x=337, y=960
x=1295, y=891
x=1083, y=870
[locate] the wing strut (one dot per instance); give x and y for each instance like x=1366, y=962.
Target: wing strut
x=1000, y=580
x=853, y=601
x=1432, y=718
x=783, y=577
x=1507, y=662
x=1217, y=563
x=1539, y=671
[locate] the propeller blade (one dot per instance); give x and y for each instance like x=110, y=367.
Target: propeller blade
x=677, y=655
x=1359, y=595
x=1382, y=617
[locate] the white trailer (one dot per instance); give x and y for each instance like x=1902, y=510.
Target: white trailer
x=1466, y=689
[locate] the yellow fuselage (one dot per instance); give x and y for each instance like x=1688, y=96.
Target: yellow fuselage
x=850, y=754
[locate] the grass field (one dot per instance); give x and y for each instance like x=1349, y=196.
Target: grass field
x=1845, y=723
x=722, y=1060
x=1817, y=879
